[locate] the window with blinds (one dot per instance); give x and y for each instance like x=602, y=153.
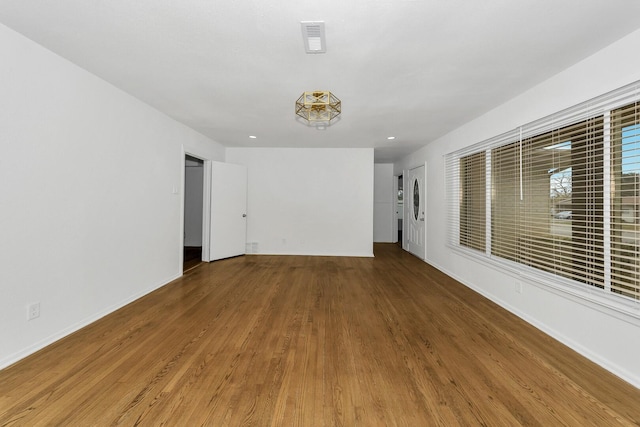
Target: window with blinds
x=472, y=201
x=560, y=195
x=625, y=201
x=547, y=201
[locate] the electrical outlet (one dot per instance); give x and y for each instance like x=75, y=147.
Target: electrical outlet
x=33, y=311
x=519, y=287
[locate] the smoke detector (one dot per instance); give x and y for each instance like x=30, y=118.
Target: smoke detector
x=313, y=36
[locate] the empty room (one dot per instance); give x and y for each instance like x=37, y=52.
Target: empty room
x=362, y=213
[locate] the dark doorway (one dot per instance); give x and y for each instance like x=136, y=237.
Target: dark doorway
x=193, y=203
x=192, y=257
x=400, y=208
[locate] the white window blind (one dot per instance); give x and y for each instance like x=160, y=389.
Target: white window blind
x=560, y=195
x=473, y=201
x=625, y=200
x=555, y=222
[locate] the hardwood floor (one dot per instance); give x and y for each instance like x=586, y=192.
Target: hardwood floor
x=313, y=341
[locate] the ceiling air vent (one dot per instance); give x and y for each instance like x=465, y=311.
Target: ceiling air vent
x=313, y=36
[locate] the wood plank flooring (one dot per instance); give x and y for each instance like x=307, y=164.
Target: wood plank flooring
x=313, y=341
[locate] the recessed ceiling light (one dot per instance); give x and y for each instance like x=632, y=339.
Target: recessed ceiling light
x=252, y=136
x=391, y=137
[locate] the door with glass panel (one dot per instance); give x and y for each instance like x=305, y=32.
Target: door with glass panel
x=415, y=209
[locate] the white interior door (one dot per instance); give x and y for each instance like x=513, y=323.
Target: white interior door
x=415, y=208
x=228, y=210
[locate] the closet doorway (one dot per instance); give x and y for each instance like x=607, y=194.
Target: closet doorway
x=193, y=212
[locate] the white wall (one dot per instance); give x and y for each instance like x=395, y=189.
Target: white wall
x=610, y=338
x=383, y=203
x=309, y=201
x=89, y=219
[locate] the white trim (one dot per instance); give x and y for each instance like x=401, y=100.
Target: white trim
x=206, y=211
x=396, y=215
x=405, y=210
x=623, y=308
x=487, y=196
x=15, y=357
x=206, y=205
x=606, y=208
x=520, y=165
x=183, y=170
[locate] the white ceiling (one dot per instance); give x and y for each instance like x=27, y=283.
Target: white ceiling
x=413, y=69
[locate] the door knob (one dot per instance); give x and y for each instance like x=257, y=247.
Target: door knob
x=245, y=215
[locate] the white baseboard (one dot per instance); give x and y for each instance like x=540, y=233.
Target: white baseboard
x=614, y=368
x=19, y=355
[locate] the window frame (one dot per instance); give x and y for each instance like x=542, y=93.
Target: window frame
x=601, y=106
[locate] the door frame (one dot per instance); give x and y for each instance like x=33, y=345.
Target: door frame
x=394, y=226
x=397, y=215
x=206, y=205
x=403, y=244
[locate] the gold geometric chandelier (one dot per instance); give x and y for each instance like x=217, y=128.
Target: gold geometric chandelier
x=318, y=108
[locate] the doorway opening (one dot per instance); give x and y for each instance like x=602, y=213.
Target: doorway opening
x=400, y=207
x=193, y=212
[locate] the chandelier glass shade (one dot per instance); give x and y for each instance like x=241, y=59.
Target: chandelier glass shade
x=318, y=107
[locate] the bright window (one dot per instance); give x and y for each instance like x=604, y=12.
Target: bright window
x=625, y=201
x=560, y=196
x=547, y=201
